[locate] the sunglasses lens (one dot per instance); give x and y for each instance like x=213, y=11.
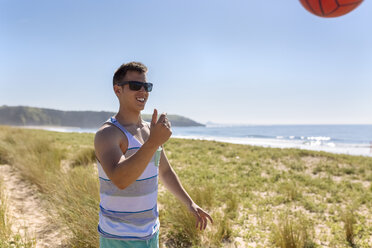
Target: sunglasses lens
x=148, y=88
x=135, y=85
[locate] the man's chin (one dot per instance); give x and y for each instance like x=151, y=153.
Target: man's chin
x=140, y=108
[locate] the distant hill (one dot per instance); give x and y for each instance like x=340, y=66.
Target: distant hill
x=30, y=116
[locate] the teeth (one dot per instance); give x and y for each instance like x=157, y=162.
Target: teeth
x=141, y=99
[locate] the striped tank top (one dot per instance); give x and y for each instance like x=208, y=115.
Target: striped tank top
x=131, y=213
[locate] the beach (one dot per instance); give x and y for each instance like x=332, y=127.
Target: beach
x=254, y=194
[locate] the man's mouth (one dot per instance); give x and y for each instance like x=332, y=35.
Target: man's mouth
x=140, y=99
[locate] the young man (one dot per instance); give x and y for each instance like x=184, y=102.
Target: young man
x=130, y=161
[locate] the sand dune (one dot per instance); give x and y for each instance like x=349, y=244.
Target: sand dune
x=28, y=211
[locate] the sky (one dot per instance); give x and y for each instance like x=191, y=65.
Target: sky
x=231, y=62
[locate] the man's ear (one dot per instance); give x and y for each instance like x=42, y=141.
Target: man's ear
x=117, y=89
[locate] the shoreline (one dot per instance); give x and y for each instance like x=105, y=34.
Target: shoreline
x=336, y=148
x=341, y=148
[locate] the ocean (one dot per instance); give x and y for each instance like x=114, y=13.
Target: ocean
x=345, y=139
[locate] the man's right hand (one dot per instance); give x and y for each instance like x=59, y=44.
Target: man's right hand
x=160, y=130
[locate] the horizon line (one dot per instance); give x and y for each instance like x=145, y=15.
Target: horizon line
x=206, y=123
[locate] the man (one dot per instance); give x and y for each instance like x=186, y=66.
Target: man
x=130, y=159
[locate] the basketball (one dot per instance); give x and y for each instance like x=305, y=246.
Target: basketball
x=330, y=8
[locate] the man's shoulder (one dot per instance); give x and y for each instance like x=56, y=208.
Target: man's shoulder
x=105, y=129
x=107, y=132
x=108, y=136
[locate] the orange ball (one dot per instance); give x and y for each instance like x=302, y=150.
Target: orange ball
x=330, y=8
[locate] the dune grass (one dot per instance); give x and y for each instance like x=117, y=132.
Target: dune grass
x=255, y=195
x=85, y=156
x=7, y=238
x=293, y=232
x=72, y=193
x=349, y=219
x=4, y=221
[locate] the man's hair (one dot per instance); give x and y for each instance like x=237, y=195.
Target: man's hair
x=131, y=66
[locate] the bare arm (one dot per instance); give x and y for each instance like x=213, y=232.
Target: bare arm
x=171, y=181
x=120, y=170
x=124, y=171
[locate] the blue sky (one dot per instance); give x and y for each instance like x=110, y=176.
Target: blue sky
x=251, y=62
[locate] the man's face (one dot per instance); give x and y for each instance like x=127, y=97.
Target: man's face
x=130, y=98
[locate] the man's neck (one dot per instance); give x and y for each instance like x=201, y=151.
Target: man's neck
x=128, y=117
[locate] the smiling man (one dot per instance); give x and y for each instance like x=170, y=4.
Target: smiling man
x=130, y=160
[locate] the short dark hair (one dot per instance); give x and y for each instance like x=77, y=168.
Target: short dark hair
x=131, y=66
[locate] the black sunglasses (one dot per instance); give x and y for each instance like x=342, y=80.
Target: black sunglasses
x=135, y=85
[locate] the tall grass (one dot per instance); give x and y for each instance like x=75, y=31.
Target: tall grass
x=180, y=224
x=73, y=195
x=34, y=155
x=224, y=230
x=349, y=219
x=3, y=154
x=291, y=232
x=7, y=238
x=180, y=221
x=182, y=231
x=4, y=221
x=76, y=200
x=83, y=157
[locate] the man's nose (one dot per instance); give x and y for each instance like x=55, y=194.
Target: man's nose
x=142, y=88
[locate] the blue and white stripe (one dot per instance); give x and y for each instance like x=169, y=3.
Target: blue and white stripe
x=132, y=213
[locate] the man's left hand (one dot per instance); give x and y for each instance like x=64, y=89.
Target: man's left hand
x=200, y=215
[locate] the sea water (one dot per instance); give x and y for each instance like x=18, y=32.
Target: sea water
x=346, y=139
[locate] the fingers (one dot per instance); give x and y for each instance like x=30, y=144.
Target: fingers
x=197, y=221
x=208, y=216
x=204, y=222
x=154, y=117
x=167, y=123
x=202, y=219
x=162, y=117
x=198, y=218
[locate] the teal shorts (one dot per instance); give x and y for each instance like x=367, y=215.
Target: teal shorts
x=116, y=243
